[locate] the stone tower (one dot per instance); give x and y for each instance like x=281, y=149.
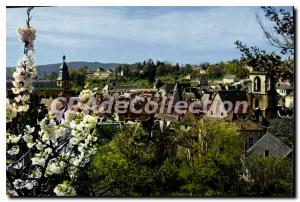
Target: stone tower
x=259, y=91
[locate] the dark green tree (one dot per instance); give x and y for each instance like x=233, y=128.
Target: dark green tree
x=150, y=70
x=270, y=177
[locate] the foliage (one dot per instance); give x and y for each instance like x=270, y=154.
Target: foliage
x=78, y=77
x=211, y=150
x=272, y=63
x=270, y=177
x=194, y=158
x=92, y=83
x=282, y=34
x=235, y=67
x=284, y=128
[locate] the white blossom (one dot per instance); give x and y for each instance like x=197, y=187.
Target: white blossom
x=55, y=168
x=26, y=34
x=85, y=95
x=66, y=145
x=10, y=138
x=69, y=115
x=39, y=145
x=19, y=184
x=64, y=189
x=29, y=129
x=30, y=184
x=12, y=193
x=27, y=138
x=11, y=111
x=23, y=108
x=21, y=98
x=18, y=165
x=14, y=150
x=38, y=161
x=30, y=144
x=36, y=173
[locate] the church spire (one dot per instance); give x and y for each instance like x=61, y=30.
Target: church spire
x=63, y=78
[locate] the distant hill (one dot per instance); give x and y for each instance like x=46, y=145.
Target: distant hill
x=43, y=70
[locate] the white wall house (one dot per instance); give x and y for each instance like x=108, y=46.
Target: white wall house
x=217, y=109
x=229, y=78
x=283, y=88
x=228, y=104
x=289, y=100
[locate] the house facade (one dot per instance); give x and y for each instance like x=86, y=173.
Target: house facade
x=229, y=104
x=229, y=78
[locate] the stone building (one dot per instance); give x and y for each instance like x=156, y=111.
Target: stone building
x=229, y=105
x=229, y=78
x=259, y=91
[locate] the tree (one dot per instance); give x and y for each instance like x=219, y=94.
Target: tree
x=237, y=68
x=126, y=70
x=150, y=70
x=134, y=163
x=270, y=177
x=211, y=150
x=272, y=63
x=53, y=76
x=118, y=70
x=44, y=154
x=282, y=34
x=177, y=69
x=215, y=71
x=159, y=83
x=284, y=128
x=78, y=78
x=161, y=69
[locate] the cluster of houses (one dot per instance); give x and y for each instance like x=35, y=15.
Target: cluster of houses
x=251, y=123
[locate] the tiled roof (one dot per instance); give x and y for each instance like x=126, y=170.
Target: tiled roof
x=284, y=86
x=271, y=143
x=38, y=85
x=233, y=95
x=128, y=87
x=291, y=94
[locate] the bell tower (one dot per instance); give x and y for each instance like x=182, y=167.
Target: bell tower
x=260, y=85
x=63, y=79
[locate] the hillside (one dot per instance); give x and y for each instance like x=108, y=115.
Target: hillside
x=43, y=70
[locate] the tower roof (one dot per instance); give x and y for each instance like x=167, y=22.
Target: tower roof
x=63, y=70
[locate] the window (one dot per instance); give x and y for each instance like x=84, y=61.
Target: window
x=266, y=153
x=257, y=84
x=250, y=141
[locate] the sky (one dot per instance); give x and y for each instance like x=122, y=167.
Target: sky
x=187, y=35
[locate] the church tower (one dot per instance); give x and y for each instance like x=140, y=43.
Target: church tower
x=63, y=79
x=259, y=91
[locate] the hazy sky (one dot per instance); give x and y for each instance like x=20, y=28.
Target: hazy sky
x=131, y=34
